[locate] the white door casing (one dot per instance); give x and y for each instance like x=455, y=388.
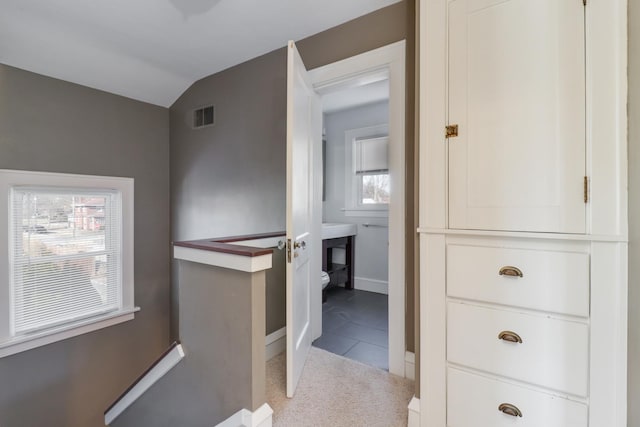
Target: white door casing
x=390, y=61
x=517, y=94
x=304, y=129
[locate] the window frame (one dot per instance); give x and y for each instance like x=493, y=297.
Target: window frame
x=353, y=181
x=13, y=178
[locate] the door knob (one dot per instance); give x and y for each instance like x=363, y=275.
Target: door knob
x=301, y=244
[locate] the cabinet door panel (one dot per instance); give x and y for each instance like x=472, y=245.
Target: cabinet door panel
x=473, y=401
x=517, y=93
x=552, y=281
x=553, y=353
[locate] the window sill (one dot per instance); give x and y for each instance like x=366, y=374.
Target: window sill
x=371, y=213
x=27, y=342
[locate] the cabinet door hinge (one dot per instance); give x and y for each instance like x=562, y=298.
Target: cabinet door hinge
x=451, y=131
x=586, y=189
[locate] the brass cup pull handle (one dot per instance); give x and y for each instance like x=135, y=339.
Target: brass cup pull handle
x=510, y=336
x=509, y=409
x=509, y=270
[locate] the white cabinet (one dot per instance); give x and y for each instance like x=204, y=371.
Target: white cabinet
x=517, y=94
x=517, y=329
x=508, y=246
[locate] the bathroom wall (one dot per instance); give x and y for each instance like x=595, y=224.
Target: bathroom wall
x=51, y=125
x=372, y=250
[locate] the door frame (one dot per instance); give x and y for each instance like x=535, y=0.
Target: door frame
x=389, y=59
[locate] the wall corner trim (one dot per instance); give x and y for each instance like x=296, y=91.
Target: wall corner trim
x=276, y=343
x=261, y=417
x=414, y=412
x=225, y=260
x=410, y=365
x=163, y=365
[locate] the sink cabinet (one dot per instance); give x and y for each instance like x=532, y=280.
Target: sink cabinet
x=339, y=273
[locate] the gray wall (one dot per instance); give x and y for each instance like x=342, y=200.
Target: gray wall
x=230, y=178
x=634, y=216
x=276, y=292
x=51, y=125
x=223, y=371
x=372, y=243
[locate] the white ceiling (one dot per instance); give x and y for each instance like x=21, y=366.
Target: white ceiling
x=152, y=50
x=355, y=96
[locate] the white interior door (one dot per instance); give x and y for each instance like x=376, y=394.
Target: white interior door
x=517, y=93
x=304, y=129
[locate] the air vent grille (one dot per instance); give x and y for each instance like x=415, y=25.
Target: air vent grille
x=203, y=117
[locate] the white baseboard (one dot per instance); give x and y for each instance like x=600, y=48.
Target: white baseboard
x=262, y=417
x=149, y=378
x=410, y=365
x=371, y=285
x=276, y=343
x=414, y=413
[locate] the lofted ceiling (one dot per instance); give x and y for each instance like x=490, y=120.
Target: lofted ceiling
x=152, y=50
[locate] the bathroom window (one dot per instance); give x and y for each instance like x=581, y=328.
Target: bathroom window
x=69, y=264
x=367, y=178
x=372, y=170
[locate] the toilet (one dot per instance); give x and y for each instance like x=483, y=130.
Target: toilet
x=324, y=279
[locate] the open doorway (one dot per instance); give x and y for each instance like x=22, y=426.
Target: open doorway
x=362, y=209
x=355, y=217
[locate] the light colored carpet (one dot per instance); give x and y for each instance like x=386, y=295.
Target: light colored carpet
x=338, y=392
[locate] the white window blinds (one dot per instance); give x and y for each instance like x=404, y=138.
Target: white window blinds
x=65, y=256
x=371, y=155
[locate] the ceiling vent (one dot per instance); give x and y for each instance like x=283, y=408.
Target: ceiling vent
x=203, y=117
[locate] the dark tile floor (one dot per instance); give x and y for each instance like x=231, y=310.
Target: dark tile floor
x=355, y=324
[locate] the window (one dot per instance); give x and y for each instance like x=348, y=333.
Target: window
x=68, y=268
x=367, y=177
x=372, y=170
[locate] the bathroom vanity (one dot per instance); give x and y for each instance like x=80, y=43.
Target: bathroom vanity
x=342, y=236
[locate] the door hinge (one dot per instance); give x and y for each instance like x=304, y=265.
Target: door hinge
x=289, y=251
x=451, y=131
x=586, y=189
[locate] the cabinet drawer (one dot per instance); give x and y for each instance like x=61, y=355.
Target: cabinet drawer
x=551, y=280
x=473, y=401
x=553, y=353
